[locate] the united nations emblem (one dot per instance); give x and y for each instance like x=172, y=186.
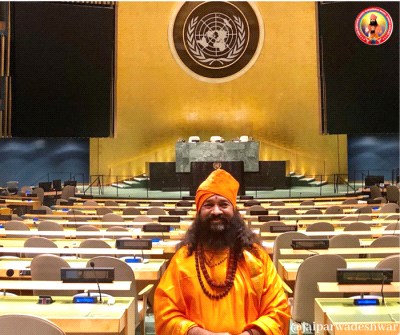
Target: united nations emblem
x=216, y=41
x=217, y=165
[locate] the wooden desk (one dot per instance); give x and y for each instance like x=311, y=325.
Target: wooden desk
x=120, y=208
x=95, y=216
x=375, y=222
x=19, y=268
x=337, y=316
x=268, y=246
x=82, y=251
x=374, y=232
x=168, y=247
x=94, y=222
x=355, y=288
x=287, y=268
x=59, y=285
x=31, y=203
x=321, y=217
x=77, y=318
x=340, y=251
x=72, y=233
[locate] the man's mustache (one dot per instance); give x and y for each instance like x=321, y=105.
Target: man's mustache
x=213, y=217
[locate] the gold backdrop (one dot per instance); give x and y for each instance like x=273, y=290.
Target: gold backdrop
x=276, y=101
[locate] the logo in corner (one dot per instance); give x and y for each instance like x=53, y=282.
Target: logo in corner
x=374, y=26
x=216, y=41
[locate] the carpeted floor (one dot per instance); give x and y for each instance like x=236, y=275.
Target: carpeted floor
x=142, y=193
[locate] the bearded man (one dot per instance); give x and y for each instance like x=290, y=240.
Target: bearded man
x=221, y=282
x=374, y=29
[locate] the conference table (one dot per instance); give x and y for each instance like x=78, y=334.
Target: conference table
x=311, y=218
x=240, y=206
x=373, y=233
x=339, y=316
x=168, y=247
x=287, y=268
x=333, y=201
x=95, y=216
x=77, y=318
x=19, y=268
x=59, y=285
x=116, y=209
x=343, y=251
x=73, y=233
x=15, y=203
x=334, y=287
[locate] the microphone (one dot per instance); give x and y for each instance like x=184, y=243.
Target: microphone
x=358, y=216
x=97, y=280
x=338, y=209
x=73, y=213
x=313, y=253
x=383, y=282
x=396, y=226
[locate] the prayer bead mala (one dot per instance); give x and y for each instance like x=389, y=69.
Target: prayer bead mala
x=230, y=275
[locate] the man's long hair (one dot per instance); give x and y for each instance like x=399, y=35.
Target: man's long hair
x=236, y=235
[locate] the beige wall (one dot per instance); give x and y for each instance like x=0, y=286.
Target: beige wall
x=275, y=101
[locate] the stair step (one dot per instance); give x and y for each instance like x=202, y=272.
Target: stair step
x=120, y=185
x=309, y=180
x=140, y=179
x=130, y=182
x=319, y=183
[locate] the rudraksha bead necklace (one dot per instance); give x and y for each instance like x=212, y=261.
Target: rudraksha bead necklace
x=208, y=261
x=230, y=275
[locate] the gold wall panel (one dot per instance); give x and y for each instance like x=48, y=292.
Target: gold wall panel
x=275, y=102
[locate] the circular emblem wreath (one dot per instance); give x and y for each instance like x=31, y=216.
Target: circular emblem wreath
x=216, y=41
x=378, y=33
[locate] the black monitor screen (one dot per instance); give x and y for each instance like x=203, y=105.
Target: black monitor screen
x=46, y=186
x=57, y=184
x=359, y=81
x=70, y=182
x=62, y=69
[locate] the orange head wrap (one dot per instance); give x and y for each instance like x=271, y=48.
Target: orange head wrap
x=219, y=182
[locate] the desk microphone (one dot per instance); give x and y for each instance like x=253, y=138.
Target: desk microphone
x=396, y=226
x=383, y=282
x=304, y=248
x=97, y=280
x=338, y=209
x=73, y=213
x=358, y=216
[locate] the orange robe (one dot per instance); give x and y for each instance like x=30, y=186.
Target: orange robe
x=256, y=298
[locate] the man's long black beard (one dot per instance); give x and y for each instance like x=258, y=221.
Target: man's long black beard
x=218, y=236
x=235, y=235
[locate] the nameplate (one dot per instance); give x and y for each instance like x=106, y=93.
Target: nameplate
x=178, y=212
x=38, y=211
x=266, y=218
x=301, y=244
x=282, y=229
x=133, y=244
x=87, y=275
x=364, y=276
x=169, y=219
x=156, y=228
x=259, y=212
